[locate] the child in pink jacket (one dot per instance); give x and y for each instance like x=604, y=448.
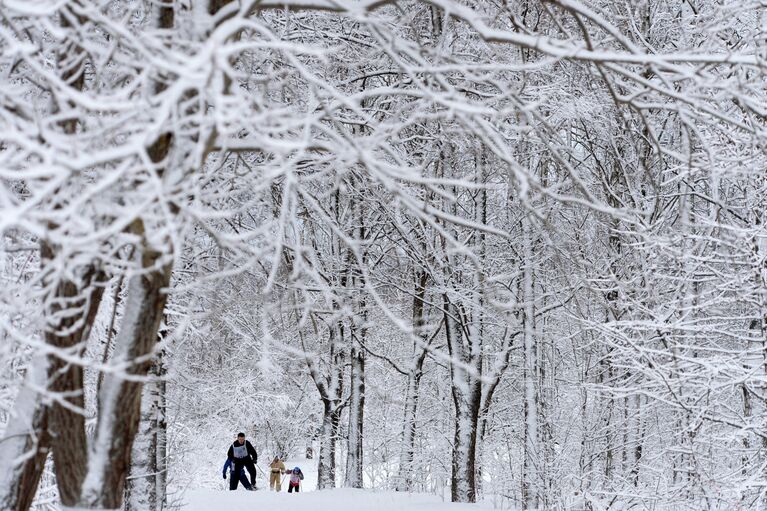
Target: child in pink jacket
x=296, y=476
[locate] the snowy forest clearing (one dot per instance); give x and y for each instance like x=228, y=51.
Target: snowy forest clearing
x=311, y=499
x=324, y=500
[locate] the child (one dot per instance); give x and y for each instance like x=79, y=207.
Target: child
x=277, y=469
x=229, y=465
x=296, y=477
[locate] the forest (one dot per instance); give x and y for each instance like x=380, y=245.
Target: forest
x=510, y=251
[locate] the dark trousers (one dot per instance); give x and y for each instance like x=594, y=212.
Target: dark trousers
x=291, y=488
x=233, y=480
x=239, y=463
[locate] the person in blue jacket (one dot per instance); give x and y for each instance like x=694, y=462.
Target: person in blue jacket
x=229, y=466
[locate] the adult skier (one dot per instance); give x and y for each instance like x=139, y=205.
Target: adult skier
x=242, y=454
x=277, y=468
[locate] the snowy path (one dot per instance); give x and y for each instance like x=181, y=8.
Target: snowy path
x=312, y=500
x=328, y=500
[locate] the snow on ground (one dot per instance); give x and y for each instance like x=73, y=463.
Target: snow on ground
x=327, y=500
x=312, y=500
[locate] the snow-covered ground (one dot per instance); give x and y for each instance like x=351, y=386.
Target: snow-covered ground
x=312, y=500
x=327, y=500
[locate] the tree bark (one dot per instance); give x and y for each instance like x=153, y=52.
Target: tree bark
x=120, y=398
x=358, y=336
x=161, y=475
x=141, y=487
x=407, y=454
x=530, y=459
x=354, y=458
x=71, y=311
x=25, y=445
x=466, y=388
x=330, y=389
x=326, y=462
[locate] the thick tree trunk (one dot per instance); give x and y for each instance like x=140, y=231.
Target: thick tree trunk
x=141, y=487
x=326, y=463
x=463, y=482
x=120, y=398
x=467, y=394
x=24, y=447
x=331, y=390
x=70, y=313
x=70, y=309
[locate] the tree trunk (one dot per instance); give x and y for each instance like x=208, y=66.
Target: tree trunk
x=161, y=475
x=66, y=327
x=358, y=337
x=530, y=460
x=356, y=415
x=639, y=435
x=326, y=463
x=120, y=398
x=146, y=488
x=463, y=483
x=467, y=392
x=71, y=312
x=141, y=487
x=331, y=390
x=70, y=309
x=24, y=447
x=607, y=406
x=407, y=453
